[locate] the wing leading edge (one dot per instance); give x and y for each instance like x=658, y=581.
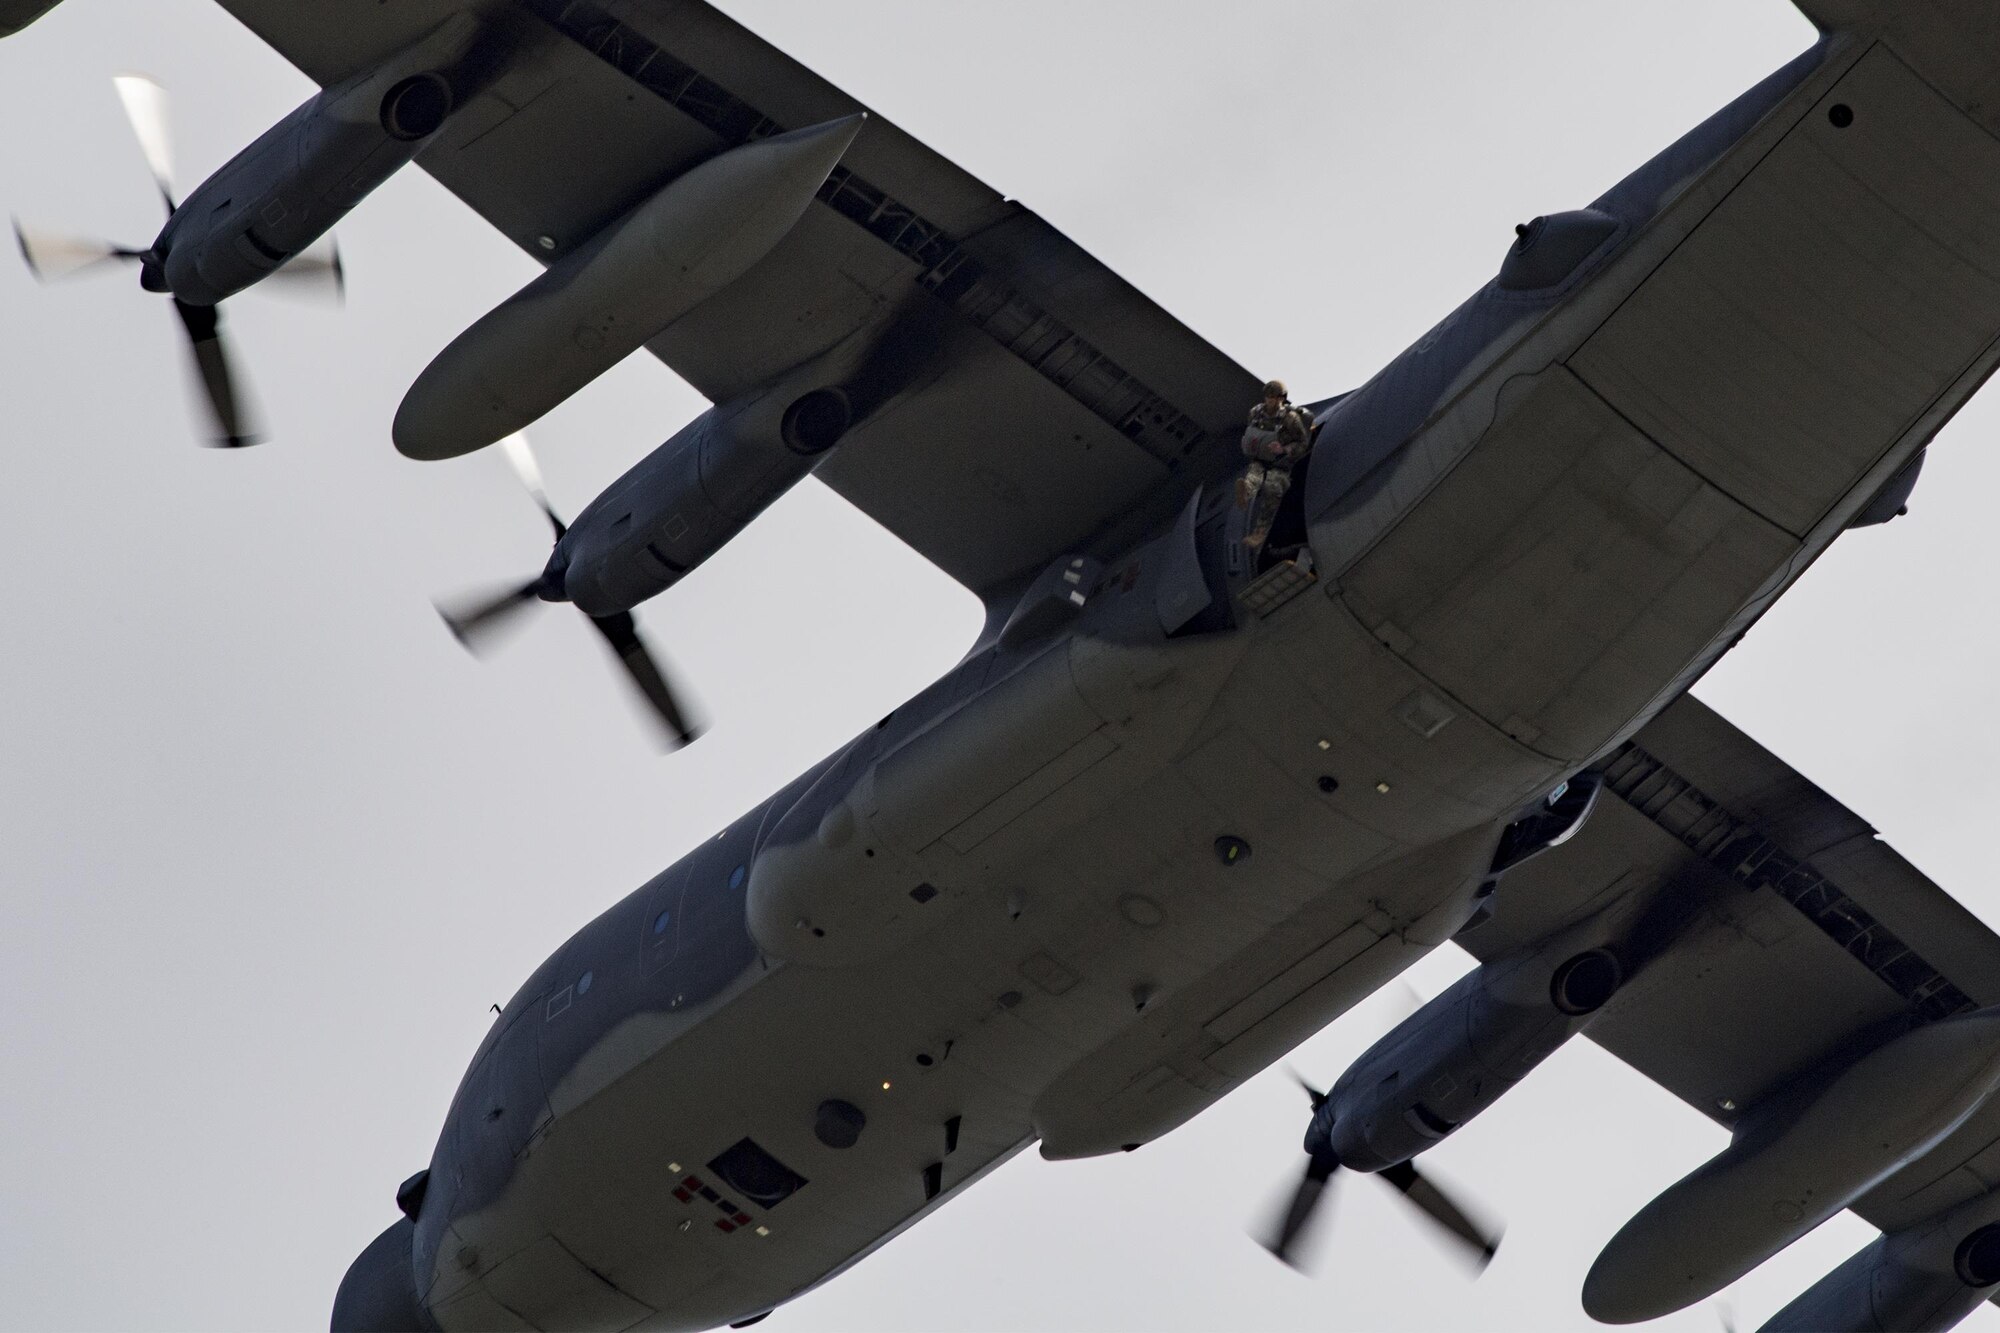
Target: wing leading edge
x=1810, y=937
x=1043, y=404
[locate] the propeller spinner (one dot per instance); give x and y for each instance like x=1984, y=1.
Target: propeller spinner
x=475, y=624
x=1287, y=1240
x=53, y=256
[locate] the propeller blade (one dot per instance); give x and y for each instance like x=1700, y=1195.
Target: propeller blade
x=473, y=625
x=1286, y=1241
x=1314, y=1095
x=1435, y=1204
x=522, y=459
x=53, y=256
x=622, y=633
x=203, y=325
x=314, y=273
x=146, y=107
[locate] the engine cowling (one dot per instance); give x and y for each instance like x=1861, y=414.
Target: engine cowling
x=1922, y=1279
x=687, y=499
x=287, y=189
x=1458, y=1054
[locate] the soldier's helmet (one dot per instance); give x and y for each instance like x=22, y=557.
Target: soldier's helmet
x=1274, y=389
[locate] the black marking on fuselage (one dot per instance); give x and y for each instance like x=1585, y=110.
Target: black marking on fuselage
x=1734, y=846
x=1030, y=333
x=748, y=1167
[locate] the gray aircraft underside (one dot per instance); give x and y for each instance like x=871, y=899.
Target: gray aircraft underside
x=1093, y=878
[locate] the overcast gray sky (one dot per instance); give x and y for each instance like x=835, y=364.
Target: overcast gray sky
x=272, y=843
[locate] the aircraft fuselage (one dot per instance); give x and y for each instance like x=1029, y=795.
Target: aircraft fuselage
x=1094, y=878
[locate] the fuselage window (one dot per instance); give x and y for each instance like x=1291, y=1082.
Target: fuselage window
x=583, y=983
x=661, y=922
x=736, y=877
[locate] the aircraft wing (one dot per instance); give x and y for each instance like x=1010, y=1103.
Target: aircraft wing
x=1809, y=931
x=1052, y=400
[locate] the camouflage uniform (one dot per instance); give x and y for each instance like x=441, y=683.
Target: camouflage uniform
x=1273, y=442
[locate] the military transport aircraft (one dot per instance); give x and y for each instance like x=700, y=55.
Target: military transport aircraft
x=1090, y=880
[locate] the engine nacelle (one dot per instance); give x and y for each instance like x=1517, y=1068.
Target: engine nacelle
x=1455, y=1057
x=287, y=189
x=1922, y=1279
x=687, y=499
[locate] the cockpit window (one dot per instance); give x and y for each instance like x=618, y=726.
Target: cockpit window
x=661, y=922
x=736, y=877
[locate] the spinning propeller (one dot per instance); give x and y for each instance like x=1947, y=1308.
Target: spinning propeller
x=1288, y=1238
x=53, y=256
x=474, y=624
